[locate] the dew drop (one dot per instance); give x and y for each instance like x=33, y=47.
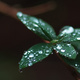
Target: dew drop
x=46, y=54
x=35, y=25
x=24, y=22
x=40, y=52
x=19, y=14
x=59, y=47
x=76, y=65
x=78, y=38
x=30, y=64
x=62, y=50
x=25, y=53
x=25, y=56
x=31, y=55
x=47, y=50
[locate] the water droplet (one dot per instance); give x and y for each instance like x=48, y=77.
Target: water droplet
x=47, y=50
x=40, y=52
x=59, y=46
x=31, y=55
x=78, y=38
x=25, y=53
x=69, y=55
x=19, y=14
x=47, y=54
x=36, y=54
x=62, y=50
x=30, y=64
x=35, y=25
x=34, y=30
x=76, y=65
x=69, y=45
x=25, y=56
x=24, y=22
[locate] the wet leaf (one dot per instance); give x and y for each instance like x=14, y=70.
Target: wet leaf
x=66, y=50
x=38, y=26
x=35, y=54
x=70, y=35
x=66, y=30
x=74, y=63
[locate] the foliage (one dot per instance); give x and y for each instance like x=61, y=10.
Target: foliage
x=67, y=43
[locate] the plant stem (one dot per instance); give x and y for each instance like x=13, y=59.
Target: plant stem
x=42, y=8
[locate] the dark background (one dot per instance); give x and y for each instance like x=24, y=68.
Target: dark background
x=15, y=38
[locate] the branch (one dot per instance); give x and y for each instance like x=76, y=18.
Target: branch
x=42, y=8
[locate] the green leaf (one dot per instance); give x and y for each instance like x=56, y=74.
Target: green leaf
x=38, y=26
x=74, y=63
x=35, y=54
x=66, y=30
x=76, y=45
x=70, y=35
x=66, y=50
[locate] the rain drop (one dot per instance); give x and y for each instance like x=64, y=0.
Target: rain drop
x=40, y=52
x=30, y=64
x=76, y=65
x=31, y=55
x=19, y=14
x=62, y=50
x=78, y=38
x=59, y=47
x=47, y=50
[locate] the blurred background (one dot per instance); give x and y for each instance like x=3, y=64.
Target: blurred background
x=15, y=38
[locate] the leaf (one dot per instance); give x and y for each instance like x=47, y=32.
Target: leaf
x=35, y=54
x=74, y=63
x=66, y=30
x=38, y=26
x=70, y=36
x=66, y=50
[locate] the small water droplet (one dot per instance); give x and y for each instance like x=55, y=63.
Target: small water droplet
x=40, y=52
x=24, y=22
x=62, y=50
x=59, y=46
x=76, y=65
x=36, y=54
x=47, y=50
x=35, y=25
x=47, y=54
x=78, y=38
x=30, y=64
x=25, y=56
x=19, y=14
x=31, y=55
x=25, y=53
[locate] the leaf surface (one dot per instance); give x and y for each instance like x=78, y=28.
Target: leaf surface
x=35, y=54
x=38, y=26
x=66, y=50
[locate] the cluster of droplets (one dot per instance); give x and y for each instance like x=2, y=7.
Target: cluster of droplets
x=65, y=49
x=30, y=57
